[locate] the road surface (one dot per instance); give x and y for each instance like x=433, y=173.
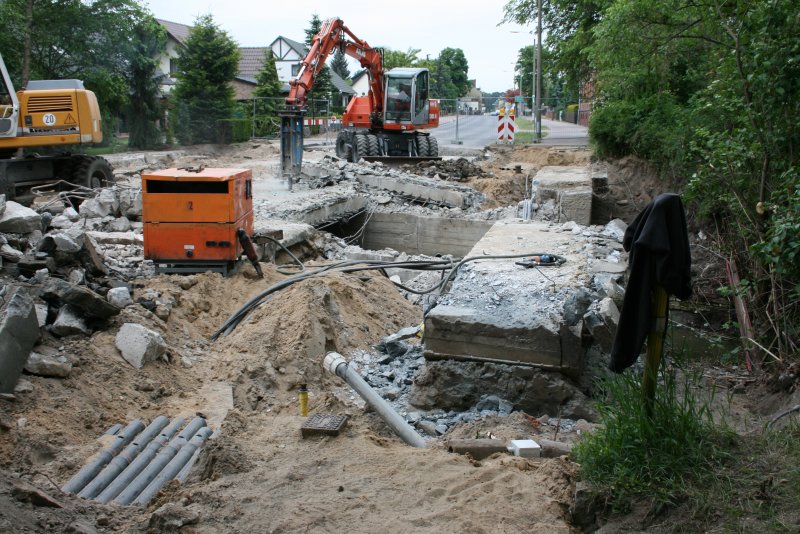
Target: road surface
x=478, y=131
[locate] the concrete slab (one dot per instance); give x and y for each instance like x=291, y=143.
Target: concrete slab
x=416, y=187
x=416, y=234
x=499, y=311
x=571, y=187
x=311, y=206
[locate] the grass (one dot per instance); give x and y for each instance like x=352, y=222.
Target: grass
x=690, y=473
x=115, y=146
x=525, y=134
x=634, y=455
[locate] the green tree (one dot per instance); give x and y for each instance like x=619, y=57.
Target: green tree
x=396, y=58
x=268, y=88
x=203, y=95
x=339, y=65
x=144, y=109
x=455, y=63
x=90, y=41
x=320, y=94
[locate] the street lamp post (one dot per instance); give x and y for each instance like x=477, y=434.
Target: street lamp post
x=538, y=73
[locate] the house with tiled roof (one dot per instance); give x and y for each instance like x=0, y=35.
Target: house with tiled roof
x=288, y=53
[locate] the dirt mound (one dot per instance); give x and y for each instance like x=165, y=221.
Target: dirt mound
x=282, y=343
x=547, y=155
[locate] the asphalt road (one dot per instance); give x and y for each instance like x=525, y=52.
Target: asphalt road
x=478, y=131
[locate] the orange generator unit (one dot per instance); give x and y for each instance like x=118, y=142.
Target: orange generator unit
x=197, y=219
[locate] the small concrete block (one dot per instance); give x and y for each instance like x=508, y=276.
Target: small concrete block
x=525, y=448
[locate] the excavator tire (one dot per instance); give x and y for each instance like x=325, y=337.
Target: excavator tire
x=342, y=150
x=93, y=172
x=422, y=146
x=360, y=148
x=433, y=147
x=374, y=147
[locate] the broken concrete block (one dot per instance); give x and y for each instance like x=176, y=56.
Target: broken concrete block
x=9, y=253
x=41, y=313
x=23, y=386
x=84, y=300
x=69, y=322
x=130, y=203
x=44, y=365
x=17, y=219
x=121, y=224
x=61, y=222
x=119, y=297
x=19, y=331
x=96, y=208
x=139, y=345
x=77, y=276
x=601, y=322
x=616, y=229
x=29, y=265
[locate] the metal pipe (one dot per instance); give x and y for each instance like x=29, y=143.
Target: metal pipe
x=174, y=466
x=90, y=470
x=166, y=454
x=142, y=460
x=121, y=460
x=336, y=364
x=113, y=429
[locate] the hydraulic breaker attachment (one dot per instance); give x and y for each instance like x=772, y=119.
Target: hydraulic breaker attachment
x=291, y=141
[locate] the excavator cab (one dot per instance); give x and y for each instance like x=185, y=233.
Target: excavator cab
x=9, y=105
x=406, y=96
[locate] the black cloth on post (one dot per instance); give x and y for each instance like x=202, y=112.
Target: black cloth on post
x=658, y=243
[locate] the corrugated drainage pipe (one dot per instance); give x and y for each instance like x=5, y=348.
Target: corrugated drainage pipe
x=164, y=456
x=90, y=470
x=336, y=364
x=121, y=460
x=174, y=466
x=142, y=460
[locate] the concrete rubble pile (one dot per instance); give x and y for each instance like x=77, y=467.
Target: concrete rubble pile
x=66, y=271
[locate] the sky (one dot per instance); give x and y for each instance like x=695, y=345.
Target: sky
x=428, y=25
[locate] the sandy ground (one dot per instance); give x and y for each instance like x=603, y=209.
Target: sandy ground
x=258, y=474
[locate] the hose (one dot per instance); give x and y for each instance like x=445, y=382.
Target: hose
x=352, y=266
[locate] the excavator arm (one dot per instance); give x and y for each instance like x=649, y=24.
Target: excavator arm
x=332, y=34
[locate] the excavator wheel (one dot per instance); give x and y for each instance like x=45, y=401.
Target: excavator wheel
x=342, y=150
x=433, y=147
x=360, y=148
x=374, y=147
x=93, y=172
x=422, y=146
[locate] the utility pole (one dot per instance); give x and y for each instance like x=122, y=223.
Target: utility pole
x=538, y=54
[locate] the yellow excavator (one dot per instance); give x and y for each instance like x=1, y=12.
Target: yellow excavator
x=46, y=115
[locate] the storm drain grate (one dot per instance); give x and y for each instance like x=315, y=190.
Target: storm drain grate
x=323, y=424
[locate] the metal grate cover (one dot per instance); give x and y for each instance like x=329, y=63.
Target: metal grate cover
x=322, y=424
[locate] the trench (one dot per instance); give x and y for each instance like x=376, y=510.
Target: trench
x=410, y=233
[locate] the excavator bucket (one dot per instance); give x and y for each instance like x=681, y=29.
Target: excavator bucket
x=291, y=141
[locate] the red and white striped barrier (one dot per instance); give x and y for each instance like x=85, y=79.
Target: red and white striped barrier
x=322, y=122
x=505, y=127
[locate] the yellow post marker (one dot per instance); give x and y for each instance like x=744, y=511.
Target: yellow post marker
x=303, y=397
x=655, y=346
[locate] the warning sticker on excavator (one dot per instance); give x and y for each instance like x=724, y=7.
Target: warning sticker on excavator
x=70, y=119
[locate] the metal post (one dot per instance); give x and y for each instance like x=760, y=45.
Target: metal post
x=538, y=103
x=253, y=120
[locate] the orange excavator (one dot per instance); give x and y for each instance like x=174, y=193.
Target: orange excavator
x=48, y=114
x=387, y=123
